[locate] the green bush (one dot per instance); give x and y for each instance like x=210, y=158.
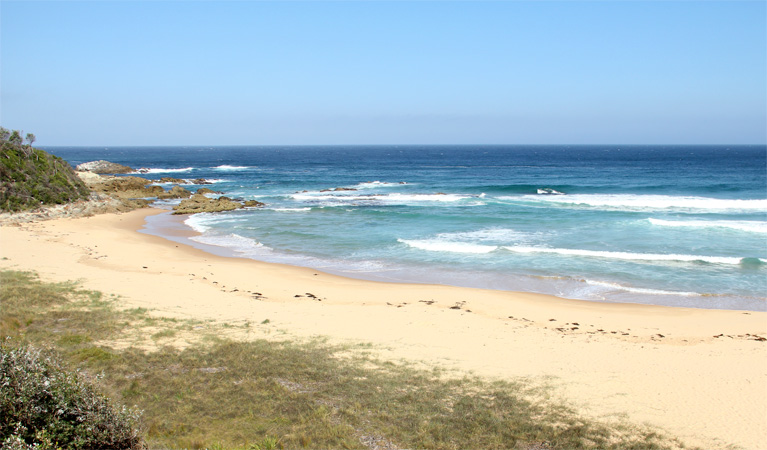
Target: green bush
x=45, y=406
x=31, y=177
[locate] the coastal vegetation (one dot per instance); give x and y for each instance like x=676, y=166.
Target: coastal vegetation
x=197, y=389
x=30, y=177
x=44, y=403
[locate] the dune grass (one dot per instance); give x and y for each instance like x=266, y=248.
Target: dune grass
x=260, y=394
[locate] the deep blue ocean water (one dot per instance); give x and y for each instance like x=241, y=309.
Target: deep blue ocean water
x=673, y=225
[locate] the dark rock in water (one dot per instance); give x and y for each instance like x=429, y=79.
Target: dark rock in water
x=200, y=181
x=171, y=180
x=102, y=166
x=199, y=203
x=207, y=191
x=175, y=192
x=337, y=189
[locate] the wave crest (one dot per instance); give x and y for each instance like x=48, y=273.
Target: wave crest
x=752, y=226
x=228, y=167
x=639, y=202
x=163, y=170
x=446, y=246
x=628, y=255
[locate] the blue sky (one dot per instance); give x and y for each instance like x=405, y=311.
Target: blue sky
x=397, y=72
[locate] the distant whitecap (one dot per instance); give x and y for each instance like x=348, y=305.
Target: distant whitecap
x=228, y=167
x=752, y=226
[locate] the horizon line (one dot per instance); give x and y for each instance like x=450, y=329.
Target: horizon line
x=404, y=145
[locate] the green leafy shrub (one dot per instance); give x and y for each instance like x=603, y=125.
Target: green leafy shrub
x=31, y=177
x=45, y=406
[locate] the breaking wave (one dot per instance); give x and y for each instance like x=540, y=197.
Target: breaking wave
x=628, y=256
x=448, y=243
x=635, y=290
x=752, y=226
x=549, y=191
x=635, y=202
x=239, y=244
x=377, y=184
x=446, y=246
x=335, y=199
x=163, y=170
x=228, y=167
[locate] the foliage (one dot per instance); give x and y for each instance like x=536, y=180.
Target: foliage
x=44, y=404
x=31, y=177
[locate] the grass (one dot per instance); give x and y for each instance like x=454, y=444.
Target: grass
x=224, y=394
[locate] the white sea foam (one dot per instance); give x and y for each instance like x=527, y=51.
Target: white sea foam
x=615, y=286
x=345, y=198
x=201, y=222
x=626, y=255
x=448, y=246
x=228, y=167
x=632, y=202
x=198, y=222
x=239, y=244
x=405, y=198
x=290, y=209
x=161, y=170
x=752, y=226
x=500, y=235
x=186, y=182
x=377, y=184
x=549, y=191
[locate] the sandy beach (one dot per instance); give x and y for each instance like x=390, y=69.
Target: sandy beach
x=700, y=375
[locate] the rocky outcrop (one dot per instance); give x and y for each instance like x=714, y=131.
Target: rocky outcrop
x=125, y=187
x=130, y=187
x=102, y=166
x=207, y=191
x=175, y=192
x=199, y=203
x=338, y=189
x=171, y=180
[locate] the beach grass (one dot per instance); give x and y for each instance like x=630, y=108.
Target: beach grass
x=222, y=393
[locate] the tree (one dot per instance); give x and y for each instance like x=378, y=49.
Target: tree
x=30, y=139
x=5, y=134
x=15, y=138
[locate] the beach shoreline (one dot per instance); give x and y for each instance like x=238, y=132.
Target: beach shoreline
x=698, y=374
x=177, y=229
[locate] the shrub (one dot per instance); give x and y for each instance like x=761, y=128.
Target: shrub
x=31, y=177
x=44, y=405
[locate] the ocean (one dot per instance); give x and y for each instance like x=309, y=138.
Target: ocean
x=668, y=225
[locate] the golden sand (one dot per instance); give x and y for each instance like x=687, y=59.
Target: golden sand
x=700, y=375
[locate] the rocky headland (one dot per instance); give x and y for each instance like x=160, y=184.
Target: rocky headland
x=103, y=167
x=100, y=190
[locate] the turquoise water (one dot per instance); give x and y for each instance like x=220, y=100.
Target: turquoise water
x=682, y=225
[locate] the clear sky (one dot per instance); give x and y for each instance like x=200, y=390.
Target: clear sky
x=396, y=72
